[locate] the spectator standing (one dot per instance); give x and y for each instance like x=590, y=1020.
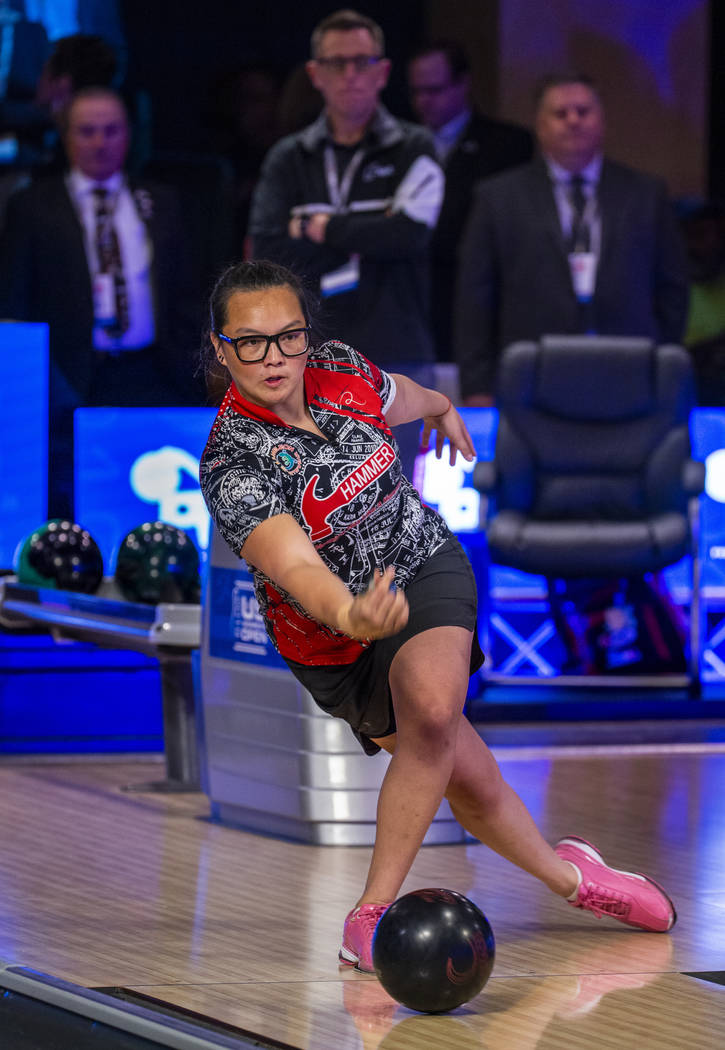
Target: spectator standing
x=570, y=243
x=101, y=260
x=350, y=203
x=469, y=147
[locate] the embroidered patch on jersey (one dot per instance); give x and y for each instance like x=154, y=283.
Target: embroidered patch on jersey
x=288, y=458
x=348, y=398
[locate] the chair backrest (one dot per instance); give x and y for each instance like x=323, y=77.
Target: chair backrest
x=593, y=427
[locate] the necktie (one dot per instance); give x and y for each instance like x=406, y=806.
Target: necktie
x=109, y=258
x=579, y=240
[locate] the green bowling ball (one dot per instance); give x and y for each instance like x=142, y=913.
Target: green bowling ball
x=62, y=555
x=158, y=563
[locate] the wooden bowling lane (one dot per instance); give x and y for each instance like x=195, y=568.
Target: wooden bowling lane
x=643, y=1011
x=108, y=888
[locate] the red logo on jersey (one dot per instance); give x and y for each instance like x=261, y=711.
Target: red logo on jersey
x=316, y=511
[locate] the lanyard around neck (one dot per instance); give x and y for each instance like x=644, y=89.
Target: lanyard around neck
x=339, y=190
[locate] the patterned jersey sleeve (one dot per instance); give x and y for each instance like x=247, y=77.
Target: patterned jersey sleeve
x=382, y=382
x=241, y=496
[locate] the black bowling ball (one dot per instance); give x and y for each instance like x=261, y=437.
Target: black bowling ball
x=158, y=563
x=433, y=950
x=62, y=555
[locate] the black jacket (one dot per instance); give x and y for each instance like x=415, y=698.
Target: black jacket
x=387, y=220
x=44, y=276
x=514, y=279
x=485, y=148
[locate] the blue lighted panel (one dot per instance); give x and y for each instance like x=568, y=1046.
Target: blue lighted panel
x=140, y=464
x=23, y=433
x=450, y=490
x=708, y=440
x=134, y=465
x=522, y=634
x=708, y=445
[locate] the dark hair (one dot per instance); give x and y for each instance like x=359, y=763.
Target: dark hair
x=553, y=80
x=255, y=276
x=452, y=51
x=86, y=58
x=343, y=21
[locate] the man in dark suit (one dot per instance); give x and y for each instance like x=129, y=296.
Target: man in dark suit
x=101, y=260
x=470, y=147
x=570, y=243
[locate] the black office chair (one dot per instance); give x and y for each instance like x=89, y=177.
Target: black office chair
x=592, y=474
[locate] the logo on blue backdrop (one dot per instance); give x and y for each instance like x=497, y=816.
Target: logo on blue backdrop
x=715, y=475
x=236, y=627
x=247, y=624
x=449, y=489
x=140, y=464
x=168, y=478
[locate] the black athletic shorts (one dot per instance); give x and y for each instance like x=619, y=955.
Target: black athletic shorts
x=441, y=594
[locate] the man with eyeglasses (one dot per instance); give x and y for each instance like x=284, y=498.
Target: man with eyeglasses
x=469, y=147
x=350, y=203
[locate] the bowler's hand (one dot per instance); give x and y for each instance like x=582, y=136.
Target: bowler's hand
x=448, y=425
x=312, y=227
x=317, y=227
x=378, y=612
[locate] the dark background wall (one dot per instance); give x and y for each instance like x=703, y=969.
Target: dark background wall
x=664, y=103
x=178, y=54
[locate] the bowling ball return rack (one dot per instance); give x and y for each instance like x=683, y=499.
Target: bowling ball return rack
x=169, y=632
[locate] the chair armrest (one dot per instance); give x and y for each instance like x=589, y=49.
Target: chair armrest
x=693, y=477
x=485, y=476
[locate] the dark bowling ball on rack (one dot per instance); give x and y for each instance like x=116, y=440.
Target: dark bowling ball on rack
x=433, y=950
x=62, y=555
x=158, y=563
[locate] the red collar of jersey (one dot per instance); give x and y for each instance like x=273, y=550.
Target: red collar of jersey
x=323, y=389
x=234, y=399
x=248, y=408
x=245, y=407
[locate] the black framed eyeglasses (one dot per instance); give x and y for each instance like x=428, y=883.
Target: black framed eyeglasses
x=339, y=63
x=252, y=348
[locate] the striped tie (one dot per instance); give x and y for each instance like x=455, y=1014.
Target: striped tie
x=579, y=238
x=109, y=258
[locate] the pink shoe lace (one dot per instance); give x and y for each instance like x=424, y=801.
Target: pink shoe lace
x=369, y=915
x=602, y=901
x=630, y=897
x=357, y=938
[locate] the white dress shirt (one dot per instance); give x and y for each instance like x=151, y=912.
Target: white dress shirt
x=136, y=255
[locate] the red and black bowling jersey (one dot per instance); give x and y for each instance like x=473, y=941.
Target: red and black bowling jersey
x=346, y=490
